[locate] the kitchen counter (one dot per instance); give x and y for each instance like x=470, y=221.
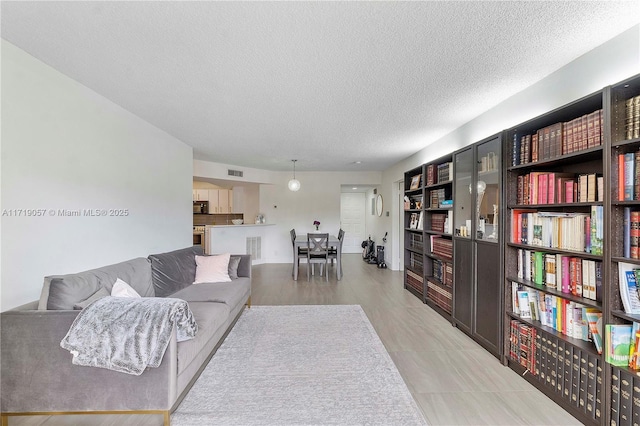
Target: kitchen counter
x=250, y=238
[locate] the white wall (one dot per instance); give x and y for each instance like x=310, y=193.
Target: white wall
x=317, y=199
x=66, y=147
x=613, y=61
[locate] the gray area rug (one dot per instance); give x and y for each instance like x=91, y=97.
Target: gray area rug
x=300, y=365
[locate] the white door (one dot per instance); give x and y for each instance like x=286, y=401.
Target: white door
x=352, y=221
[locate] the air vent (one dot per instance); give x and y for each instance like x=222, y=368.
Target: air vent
x=237, y=173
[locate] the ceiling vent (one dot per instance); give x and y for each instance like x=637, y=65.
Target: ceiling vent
x=236, y=173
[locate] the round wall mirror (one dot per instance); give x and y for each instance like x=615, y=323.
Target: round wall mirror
x=379, y=205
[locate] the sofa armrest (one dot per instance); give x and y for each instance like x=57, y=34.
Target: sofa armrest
x=37, y=374
x=244, y=267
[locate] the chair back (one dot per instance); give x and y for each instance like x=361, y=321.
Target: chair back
x=293, y=236
x=318, y=244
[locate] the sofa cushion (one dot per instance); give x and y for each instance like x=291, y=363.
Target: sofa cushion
x=234, y=261
x=230, y=293
x=95, y=296
x=65, y=293
x=209, y=317
x=212, y=269
x=74, y=288
x=174, y=270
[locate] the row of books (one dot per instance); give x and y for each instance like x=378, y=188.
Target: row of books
x=629, y=176
x=441, y=222
x=415, y=261
x=574, y=374
x=631, y=234
x=570, y=275
x=415, y=281
x=439, y=296
x=623, y=345
x=558, y=139
x=439, y=173
x=567, y=317
x=632, y=117
x=581, y=232
x=625, y=398
x=555, y=188
x=443, y=272
x=439, y=199
x=441, y=247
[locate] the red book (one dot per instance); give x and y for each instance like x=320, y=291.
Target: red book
x=572, y=276
x=543, y=190
x=566, y=274
x=569, y=192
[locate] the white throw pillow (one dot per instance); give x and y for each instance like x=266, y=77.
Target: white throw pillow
x=122, y=289
x=212, y=269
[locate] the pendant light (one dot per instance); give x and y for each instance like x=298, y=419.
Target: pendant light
x=294, y=184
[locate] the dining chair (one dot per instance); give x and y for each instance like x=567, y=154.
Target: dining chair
x=335, y=251
x=302, y=251
x=318, y=253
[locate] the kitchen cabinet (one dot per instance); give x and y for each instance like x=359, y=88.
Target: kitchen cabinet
x=200, y=195
x=220, y=201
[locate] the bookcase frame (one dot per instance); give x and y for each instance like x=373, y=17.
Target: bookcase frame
x=413, y=274
x=549, y=340
x=426, y=273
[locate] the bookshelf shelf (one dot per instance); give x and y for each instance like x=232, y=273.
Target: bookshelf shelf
x=625, y=316
x=556, y=251
x=584, y=155
x=583, y=345
x=568, y=296
x=625, y=143
x=439, y=184
x=436, y=257
x=430, y=232
x=555, y=205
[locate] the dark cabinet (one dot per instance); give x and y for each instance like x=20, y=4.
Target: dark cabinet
x=477, y=249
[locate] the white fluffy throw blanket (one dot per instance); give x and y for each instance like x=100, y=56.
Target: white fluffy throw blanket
x=127, y=334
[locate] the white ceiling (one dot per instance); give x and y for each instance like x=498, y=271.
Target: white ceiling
x=257, y=84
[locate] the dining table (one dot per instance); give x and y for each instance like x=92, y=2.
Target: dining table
x=301, y=241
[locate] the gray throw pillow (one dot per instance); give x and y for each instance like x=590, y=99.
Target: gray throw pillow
x=234, y=261
x=95, y=296
x=65, y=292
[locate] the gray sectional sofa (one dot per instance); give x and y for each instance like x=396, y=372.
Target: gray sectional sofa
x=37, y=375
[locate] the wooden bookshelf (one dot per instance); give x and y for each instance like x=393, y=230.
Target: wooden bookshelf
x=553, y=178
x=414, y=248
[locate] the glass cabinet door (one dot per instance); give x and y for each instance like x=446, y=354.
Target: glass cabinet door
x=487, y=192
x=463, y=213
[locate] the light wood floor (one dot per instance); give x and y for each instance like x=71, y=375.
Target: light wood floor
x=453, y=380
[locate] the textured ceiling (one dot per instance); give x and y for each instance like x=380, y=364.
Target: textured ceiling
x=257, y=84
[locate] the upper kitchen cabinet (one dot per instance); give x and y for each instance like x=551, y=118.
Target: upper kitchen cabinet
x=220, y=201
x=200, y=195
